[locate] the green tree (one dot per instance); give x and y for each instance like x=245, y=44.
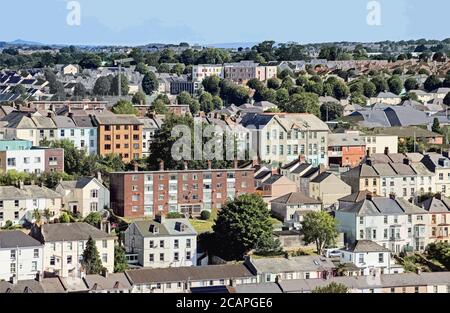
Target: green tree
x=369, y=89
x=211, y=84
x=91, y=61
x=124, y=87
x=436, y=126
x=102, y=86
x=120, y=261
x=206, y=102
x=159, y=107
x=184, y=98
x=80, y=90
x=124, y=107
x=380, y=84
x=303, y=103
x=330, y=111
x=64, y=218
x=282, y=97
x=273, y=83
x=94, y=219
x=91, y=260
x=150, y=83
x=142, y=68
x=432, y=83
x=73, y=157
x=319, y=228
x=138, y=98
x=331, y=288
x=242, y=225
x=411, y=84
x=395, y=85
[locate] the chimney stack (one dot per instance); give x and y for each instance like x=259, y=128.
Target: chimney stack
x=369, y=196
x=406, y=161
x=136, y=167
x=21, y=185
x=236, y=164
x=99, y=176
x=186, y=165
x=392, y=196
x=105, y=272
x=438, y=196
x=209, y=164
x=302, y=158
x=161, y=166
x=386, y=150
x=160, y=218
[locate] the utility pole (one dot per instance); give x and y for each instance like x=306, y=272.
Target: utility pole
x=119, y=77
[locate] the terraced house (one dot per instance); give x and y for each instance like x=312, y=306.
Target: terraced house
x=398, y=174
x=283, y=137
x=393, y=223
x=17, y=204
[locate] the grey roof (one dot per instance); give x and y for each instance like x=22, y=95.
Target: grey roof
x=295, y=198
x=335, y=140
x=53, y=285
x=258, y=288
x=43, y=122
x=118, y=119
x=357, y=196
x=168, y=227
x=321, y=177
x=63, y=122
x=28, y=192
x=366, y=246
x=387, y=95
x=434, y=205
x=383, y=206
x=22, y=286
x=77, y=184
x=114, y=281
x=72, y=232
x=361, y=282
x=14, y=239
x=295, y=264
x=83, y=121
x=194, y=273
x=273, y=179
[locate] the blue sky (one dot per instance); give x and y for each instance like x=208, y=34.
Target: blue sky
x=134, y=22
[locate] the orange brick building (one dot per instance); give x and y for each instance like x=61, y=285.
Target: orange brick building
x=120, y=134
x=346, y=149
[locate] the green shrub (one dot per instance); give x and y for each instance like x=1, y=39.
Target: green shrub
x=205, y=215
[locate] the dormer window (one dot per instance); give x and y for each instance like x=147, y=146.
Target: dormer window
x=154, y=229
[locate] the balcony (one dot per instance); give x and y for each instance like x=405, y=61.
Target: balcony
x=335, y=154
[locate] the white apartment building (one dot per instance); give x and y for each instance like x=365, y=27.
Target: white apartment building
x=30, y=161
x=283, y=137
x=79, y=130
x=20, y=256
x=201, y=71
x=393, y=223
x=162, y=243
x=64, y=245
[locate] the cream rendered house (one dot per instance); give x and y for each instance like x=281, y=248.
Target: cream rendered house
x=84, y=196
x=64, y=245
x=328, y=188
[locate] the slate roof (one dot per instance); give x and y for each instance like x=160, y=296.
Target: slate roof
x=366, y=246
x=294, y=264
x=28, y=192
x=339, y=140
x=357, y=196
x=72, y=232
x=321, y=177
x=295, y=198
x=383, y=206
x=63, y=122
x=434, y=205
x=14, y=239
x=76, y=184
x=273, y=179
x=22, y=286
x=258, y=288
x=114, y=281
x=118, y=119
x=83, y=121
x=194, y=273
x=168, y=227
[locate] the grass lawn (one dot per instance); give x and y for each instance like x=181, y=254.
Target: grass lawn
x=202, y=226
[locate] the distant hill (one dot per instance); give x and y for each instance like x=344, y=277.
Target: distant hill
x=233, y=45
x=25, y=43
